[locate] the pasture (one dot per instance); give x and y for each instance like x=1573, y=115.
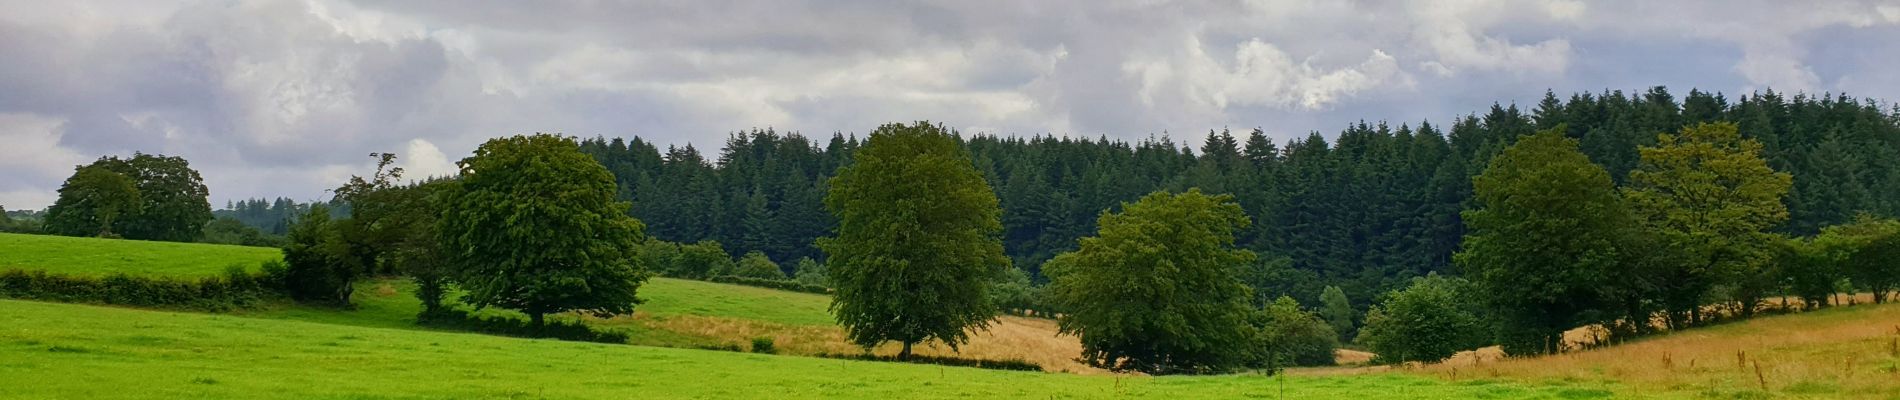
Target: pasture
x=79, y=351
x=98, y=257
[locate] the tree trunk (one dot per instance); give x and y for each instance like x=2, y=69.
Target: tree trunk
x=905, y=354
x=536, y=318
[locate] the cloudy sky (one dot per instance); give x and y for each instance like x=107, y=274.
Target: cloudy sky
x=286, y=98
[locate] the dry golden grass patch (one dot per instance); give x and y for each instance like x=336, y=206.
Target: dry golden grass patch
x=1029, y=339
x=1851, y=352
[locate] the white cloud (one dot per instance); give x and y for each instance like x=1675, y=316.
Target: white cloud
x=273, y=98
x=424, y=160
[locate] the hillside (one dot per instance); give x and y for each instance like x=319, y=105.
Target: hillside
x=676, y=312
x=76, y=351
x=1842, y=352
x=93, y=256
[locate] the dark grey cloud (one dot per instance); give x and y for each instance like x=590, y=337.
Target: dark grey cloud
x=285, y=98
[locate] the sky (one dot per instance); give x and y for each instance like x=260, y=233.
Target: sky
x=288, y=98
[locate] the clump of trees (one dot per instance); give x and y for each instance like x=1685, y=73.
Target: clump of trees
x=917, y=240
x=1159, y=290
x=145, y=197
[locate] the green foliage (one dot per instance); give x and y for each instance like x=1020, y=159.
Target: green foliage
x=1543, y=240
x=1013, y=292
x=701, y=260
x=1427, y=322
x=1809, y=269
x=91, y=201
x=234, y=232
x=28, y=223
x=916, y=244
x=1004, y=365
x=811, y=273
x=167, y=201
x=1709, y=199
x=1156, y=289
x=320, y=270
x=1864, y=251
x=532, y=225
x=1288, y=336
x=1338, y=312
x=455, y=319
x=1366, y=208
x=770, y=283
x=763, y=345
x=235, y=289
x=756, y=265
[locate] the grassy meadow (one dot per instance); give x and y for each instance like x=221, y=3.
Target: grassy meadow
x=375, y=350
x=96, y=257
x=78, y=351
x=1835, y=353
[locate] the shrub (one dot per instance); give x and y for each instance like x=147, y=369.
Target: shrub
x=770, y=284
x=456, y=319
x=1007, y=365
x=763, y=345
x=812, y=273
x=1426, y=322
x=721, y=347
x=757, y=265
x=236, y=289
x=701, y=260
x=1289, y=336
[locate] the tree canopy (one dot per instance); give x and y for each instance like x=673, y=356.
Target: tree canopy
x=1156, y=290
x=1711, y=201
x=1543, y=239
x=532, y=225
x=916, y=243
x=91, y=201
x=169, y=200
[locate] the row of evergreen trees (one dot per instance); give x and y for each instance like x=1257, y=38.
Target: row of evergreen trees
x=1368, y=211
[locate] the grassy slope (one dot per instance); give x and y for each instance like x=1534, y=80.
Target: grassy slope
x=91, y=256
x=77, y=351
x=1837, y=353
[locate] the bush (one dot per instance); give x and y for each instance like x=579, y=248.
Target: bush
x=456, y=319
x=1289, y=336
x=770, y=284
x=1006, y=365
x=236, y=289
x=1426, y=322
x=763, y=345
x=757, y=265
x=811, y=272
x=701, y=260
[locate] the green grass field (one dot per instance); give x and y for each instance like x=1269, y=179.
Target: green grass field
x=92, y=256
x=53, y=351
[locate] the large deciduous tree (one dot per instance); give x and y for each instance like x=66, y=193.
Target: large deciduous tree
x=1157, y=289
x=90, y=201
x=1709, y=199
x=172, y=200
x=532, y=225
x=917, y=240
x=1543, y=240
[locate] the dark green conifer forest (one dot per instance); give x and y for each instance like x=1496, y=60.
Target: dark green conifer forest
x=1368, y=210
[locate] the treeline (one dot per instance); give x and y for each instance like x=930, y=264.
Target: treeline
x=1368, y=211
